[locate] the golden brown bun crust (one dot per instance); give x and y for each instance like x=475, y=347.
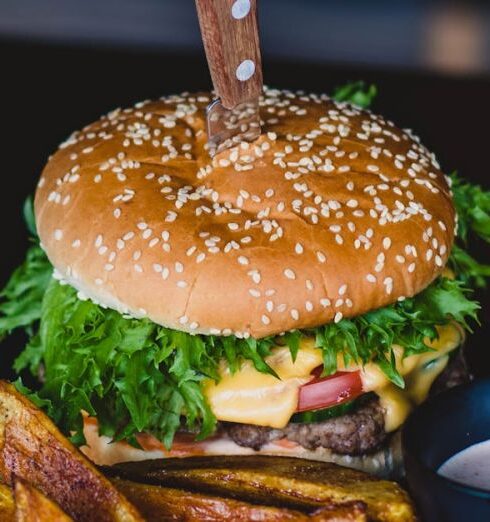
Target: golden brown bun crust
x=332, y=212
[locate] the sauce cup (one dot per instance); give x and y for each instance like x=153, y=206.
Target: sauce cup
x=436, y=431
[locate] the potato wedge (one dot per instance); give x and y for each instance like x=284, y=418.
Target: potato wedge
x=32, y=506
x=158, y=503
x=292, y=483
x=7, y=506
x=33, y=449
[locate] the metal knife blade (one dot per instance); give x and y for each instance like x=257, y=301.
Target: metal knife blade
x=228, y=127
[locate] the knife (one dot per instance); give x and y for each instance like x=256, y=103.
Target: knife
x=231, y=41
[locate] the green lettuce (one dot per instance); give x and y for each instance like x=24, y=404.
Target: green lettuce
x=135, y=375
x=357, y=93
x=472, y=205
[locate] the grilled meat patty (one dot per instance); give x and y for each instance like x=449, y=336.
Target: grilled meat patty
x=357, y=432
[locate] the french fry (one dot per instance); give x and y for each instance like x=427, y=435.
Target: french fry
x=159, y=503
x=32, y=506
x=293, y=483
x=34, y=450
x=7, y=506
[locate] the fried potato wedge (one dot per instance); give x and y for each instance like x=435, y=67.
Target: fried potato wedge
x=159, y=503
x=34, y=450
x=32, y=506
x=287, y=482
x=7, y=506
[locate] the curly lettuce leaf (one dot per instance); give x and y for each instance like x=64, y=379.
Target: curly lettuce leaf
x=473, y=210
x=472, y=207
x=20, y=300
x=357, y=93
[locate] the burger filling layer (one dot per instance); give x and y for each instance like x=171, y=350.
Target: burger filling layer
x=251, y=397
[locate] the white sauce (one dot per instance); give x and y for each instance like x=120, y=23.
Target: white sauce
x=470, y=466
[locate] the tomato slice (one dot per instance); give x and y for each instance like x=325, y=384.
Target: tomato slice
x=323, y=392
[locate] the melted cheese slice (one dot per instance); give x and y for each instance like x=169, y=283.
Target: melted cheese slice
x=252, y=397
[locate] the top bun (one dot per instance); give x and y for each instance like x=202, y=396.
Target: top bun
x=331, y=212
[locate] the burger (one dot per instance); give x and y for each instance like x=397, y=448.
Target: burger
x=297, y=295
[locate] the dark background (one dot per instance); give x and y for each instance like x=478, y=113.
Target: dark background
x=63, y=63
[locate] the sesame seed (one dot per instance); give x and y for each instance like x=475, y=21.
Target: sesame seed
x=325, y=302
x=321, y=256
x=58, y=234
x=243, y=260
x=338, y=317
x=388, y=282
x=299, y=248
x=386, y=243
x=371, y=278
x=289, y=273
x=309, y=306
x=265, y=319
x=182, y=284
x=294, y=314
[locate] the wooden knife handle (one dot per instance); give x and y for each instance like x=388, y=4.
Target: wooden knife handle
x=231, y=40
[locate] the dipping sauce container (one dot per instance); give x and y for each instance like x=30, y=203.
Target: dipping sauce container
x=436, y=431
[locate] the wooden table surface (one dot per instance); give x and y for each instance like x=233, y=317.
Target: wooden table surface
x=49, y=91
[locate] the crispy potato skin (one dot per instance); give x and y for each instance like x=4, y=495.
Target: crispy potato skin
x=7, y=506
x=33, y=449
x=288, y=482
x=32, y=506
x=158, y=503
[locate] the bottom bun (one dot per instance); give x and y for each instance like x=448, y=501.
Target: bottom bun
x=386, y=462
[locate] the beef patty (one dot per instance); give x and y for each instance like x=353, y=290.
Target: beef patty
x=355, y=433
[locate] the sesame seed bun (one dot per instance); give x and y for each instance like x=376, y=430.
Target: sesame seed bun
x=332, y=212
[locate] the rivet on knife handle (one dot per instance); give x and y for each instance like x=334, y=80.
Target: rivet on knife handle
x=230, y=35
